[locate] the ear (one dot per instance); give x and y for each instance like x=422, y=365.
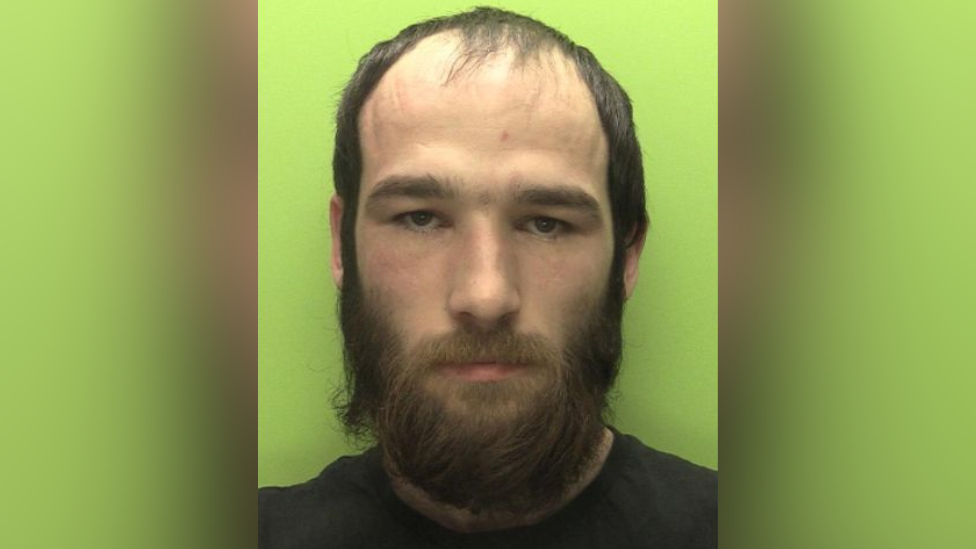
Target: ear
x=336, y=208
x=632, y=262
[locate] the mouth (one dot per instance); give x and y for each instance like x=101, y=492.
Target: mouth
x=481, y=372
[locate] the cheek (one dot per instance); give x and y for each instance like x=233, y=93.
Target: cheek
x=406, y=279
x=564, y=286
x=571, y=267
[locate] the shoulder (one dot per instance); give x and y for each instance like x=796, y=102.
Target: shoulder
x=322, y=508
x=347, y=475
x=669, y=495
x=668, y=473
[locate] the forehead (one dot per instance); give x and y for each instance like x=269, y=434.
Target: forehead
x=492, y=121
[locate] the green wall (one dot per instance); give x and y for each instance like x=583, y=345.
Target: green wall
x=663, y=52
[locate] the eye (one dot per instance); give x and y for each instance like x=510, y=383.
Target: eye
x=419, y=221
x=545, y=226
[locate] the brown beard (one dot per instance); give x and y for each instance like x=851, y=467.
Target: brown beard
x=510, y=446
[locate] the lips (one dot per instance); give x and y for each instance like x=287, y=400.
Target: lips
x=482, y=371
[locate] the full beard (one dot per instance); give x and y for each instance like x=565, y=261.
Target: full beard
x=511, y=446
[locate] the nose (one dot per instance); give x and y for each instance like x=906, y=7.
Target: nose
x=485, y=291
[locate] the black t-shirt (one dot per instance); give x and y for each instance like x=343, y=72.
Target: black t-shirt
x=641, y=498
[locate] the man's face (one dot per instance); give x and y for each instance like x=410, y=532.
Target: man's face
x=483, y=201
x=483, y=318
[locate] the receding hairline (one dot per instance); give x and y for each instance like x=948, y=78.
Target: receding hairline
x=461, y=56
x=469, y=51
x=446, y=58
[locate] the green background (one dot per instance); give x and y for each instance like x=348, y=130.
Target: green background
x=665, y=55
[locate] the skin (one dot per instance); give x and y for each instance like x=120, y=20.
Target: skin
x=484, y=202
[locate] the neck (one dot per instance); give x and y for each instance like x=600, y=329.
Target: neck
x=466, y=521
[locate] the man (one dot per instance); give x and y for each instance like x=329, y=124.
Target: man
x=487, y=228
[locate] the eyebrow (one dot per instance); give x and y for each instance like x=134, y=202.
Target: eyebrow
x=558, y=196
x=412, y=187
x=430, y=187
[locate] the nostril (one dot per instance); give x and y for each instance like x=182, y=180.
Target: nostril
x=485, y=305
x=485, y=324
x=484, y=289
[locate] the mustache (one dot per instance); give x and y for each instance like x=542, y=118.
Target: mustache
x=503, y=346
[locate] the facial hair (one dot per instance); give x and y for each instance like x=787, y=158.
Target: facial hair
x=515, y=445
